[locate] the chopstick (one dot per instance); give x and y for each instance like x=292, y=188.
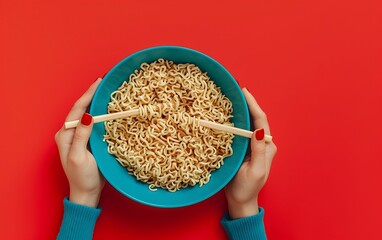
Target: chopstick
x=204, y=123
x=230, y=129
x=105, y=117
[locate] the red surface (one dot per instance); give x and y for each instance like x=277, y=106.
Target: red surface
x=314, y=66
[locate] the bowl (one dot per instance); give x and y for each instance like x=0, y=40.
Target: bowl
x=118, y=176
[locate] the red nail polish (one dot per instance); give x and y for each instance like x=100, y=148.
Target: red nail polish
x=260, y=134
x=86, y=119
x=104, y=75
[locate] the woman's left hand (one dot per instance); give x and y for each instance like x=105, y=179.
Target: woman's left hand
x=85, y=181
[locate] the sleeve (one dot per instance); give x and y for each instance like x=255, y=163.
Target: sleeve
x=248, y=228
x=78, y=221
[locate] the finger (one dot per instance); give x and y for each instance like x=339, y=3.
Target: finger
x=258, y=163
x=258, y=115
x=271, y=150
x=64, y=136
x=63, y=145
x=83, y=102
x=246, y=159
x=81, y=138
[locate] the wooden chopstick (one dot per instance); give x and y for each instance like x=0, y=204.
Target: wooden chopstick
x=204, y=123
x=105, y=117
x=230, y=129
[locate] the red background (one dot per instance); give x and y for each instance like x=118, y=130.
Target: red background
x=314, y=66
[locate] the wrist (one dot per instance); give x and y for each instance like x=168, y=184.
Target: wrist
x=86, y=199
x=241, y=210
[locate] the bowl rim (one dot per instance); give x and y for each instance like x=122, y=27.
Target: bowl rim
x=247, y=122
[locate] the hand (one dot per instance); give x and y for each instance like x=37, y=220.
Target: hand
x=242, y=192
x=80, y=167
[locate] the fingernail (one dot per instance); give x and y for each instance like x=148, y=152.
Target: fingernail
x=260, y=134
x=104, y=75
x=86, y=119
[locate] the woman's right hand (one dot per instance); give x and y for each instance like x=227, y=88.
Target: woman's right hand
x=242, y=192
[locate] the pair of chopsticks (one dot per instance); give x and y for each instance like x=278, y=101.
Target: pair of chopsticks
x=204, y=123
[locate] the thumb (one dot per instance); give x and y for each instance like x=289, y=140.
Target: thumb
x=258, y=151
x=82, y=133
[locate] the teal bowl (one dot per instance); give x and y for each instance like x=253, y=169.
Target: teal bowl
x=118, y=176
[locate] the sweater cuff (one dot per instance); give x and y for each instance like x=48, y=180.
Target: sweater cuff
x=78, y=221
x=251, y=227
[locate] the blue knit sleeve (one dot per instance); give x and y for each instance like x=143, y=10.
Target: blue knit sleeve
x=78, y=221
x=248, y=228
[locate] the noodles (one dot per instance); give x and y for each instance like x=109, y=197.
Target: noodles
x=165, y=146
